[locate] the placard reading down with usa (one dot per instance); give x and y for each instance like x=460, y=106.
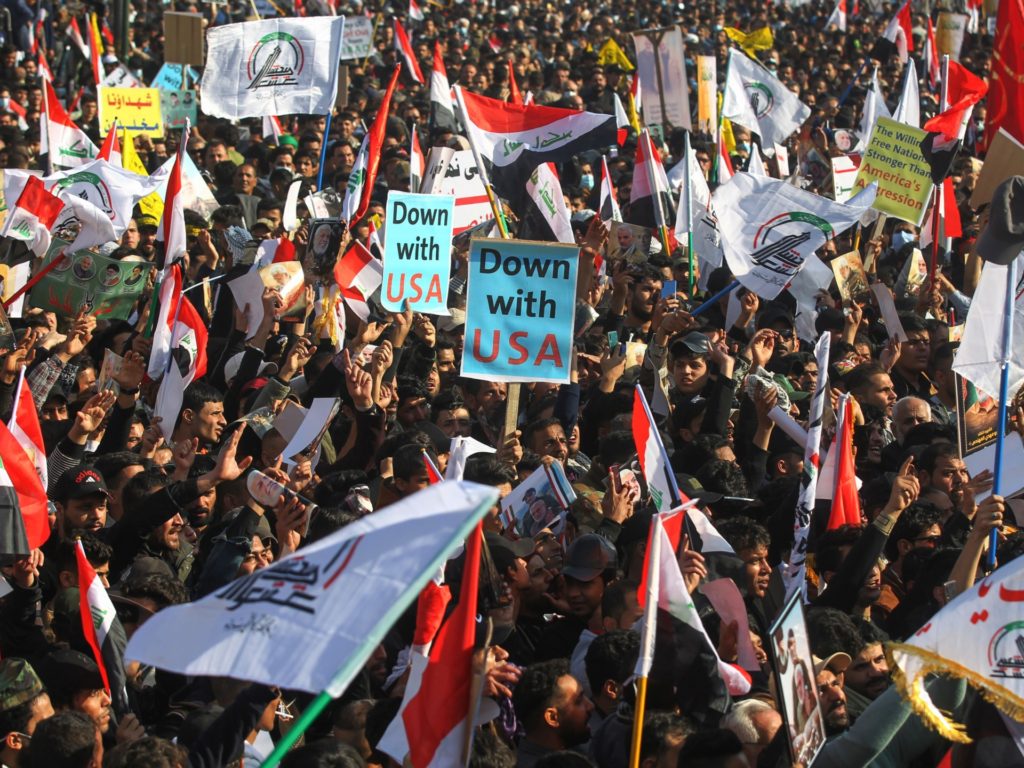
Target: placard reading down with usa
x=417, y=252
x=519, y=310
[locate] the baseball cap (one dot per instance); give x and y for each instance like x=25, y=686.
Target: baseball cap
x=588, y=557
x=69, y=671
x=693, y=343
x=505, y=551
x=836, y=663
x=146, y=221
x=19, y=683
x=79, y=482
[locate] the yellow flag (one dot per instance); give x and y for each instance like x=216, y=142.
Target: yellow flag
x=151, y=204
x=611, y=53
x=728, y=139
x=751, y=42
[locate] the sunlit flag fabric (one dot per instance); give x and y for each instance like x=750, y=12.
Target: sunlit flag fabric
x=24, y=425
x=279, y=66
x=335, y=599
x=415, y=12
x=67, y=144
x=187, y=363
x=654, y=462
x=609, y=203
x=169, y=294
x=111, y=149
x=932, y=59
x=760, y=102
x=695, y=197
x=362, y=178
x=96, y=609
x=74, y=32
x=359, y=270
x=272, y=128
x=442, y=108
x=908, y=111
x=845, y=508
x=770, y=228
x=649, y=207
x=1007, y=79
x=546, y=216
x=513, y=139
x=977, y=638
x=356, y=182
x=897, y=38
x=417, y=162
x=33, y=216
x=171, y=231
x=404, y=49
x=95, y=226
x=751, y=42
x=838, y=17
x=24, y=522
x=874, y=108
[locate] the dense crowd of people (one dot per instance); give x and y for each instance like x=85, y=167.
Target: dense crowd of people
x=167, y=521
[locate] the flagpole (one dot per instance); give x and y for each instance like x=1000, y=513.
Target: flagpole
x=49, y=149
x=1004, y=397
x=711, y=302
x=647, y=638
x=689, y=209
x=323, y=152
x=938, y=206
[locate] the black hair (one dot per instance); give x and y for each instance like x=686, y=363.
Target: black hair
x=17, y=718
x=536, y=688
x=831, y=631
x=162, y=590
x=915, y=520
x=659, y=728
x=743, y=533
x=858, y=377
x=616, y=448
x=333, y=488
x=199, y=393
x=699, y=451
x=723, y=477
x=828, y=555
x=66, y=740
x=611, y=656
x=408, y=461
x=110, y=465
x=328, y=520
x=930, y=456
x=708, y=749
x=150, y=751
x=487, y=469
x=139, y=487
x=268, y=204
x=536, y=426
x=96, y=552
x=324, y=753
x=913, y=322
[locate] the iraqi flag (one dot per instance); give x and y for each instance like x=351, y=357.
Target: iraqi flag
x=442, y=107
x=172, y=229
x=33, y=216
x=417, y=162
x=723, y=167
x=272, y=127
x=24, y=519
x=24, y=425
x=111, y=149
x=897, y=37
x=674, y=598
x=546, y=217
x=694, y=215
x=964, y=89
x=187, y=363
x=650, y=200
x=415, y=12
x=609, y=205
x=622, y=124
x=169, y=296
x=439, y=717
x=932, y=58
x=514, y=95
x=404, y=48
x=845, y=507
x=12, y=106
x=358, y=270
x=949, y=216
x=513, y=139
x=838, y=17
x=96, y=609
x=74, y=32
x=66, y=143
x=661, y=483
x=364, y=171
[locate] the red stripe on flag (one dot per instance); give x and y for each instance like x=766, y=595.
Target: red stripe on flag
x=496, y=116
x=86, y=577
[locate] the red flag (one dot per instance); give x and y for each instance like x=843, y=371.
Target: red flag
x=430, y=608
x=24, y=425
x=442, y=703
x=514, y=96
x=931, y=58
x=845, y=501
x=376, y=137
x=415, y=12
x=964, y=89
x=433, y=473
x=96, y=609
x=18, y=476
x=404, y=48
x=111, y=149
x=1007, y=79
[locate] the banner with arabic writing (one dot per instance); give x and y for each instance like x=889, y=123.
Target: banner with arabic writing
x=137, y=110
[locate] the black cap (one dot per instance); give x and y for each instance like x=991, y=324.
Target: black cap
x=505, y=551
x=693, y=344
x=79, y=482
x=1003, y=238
x=69, y=671
x=588, y=557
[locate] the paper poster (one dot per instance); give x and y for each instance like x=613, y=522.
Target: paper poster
x=850, y=277
x=539, y=503
x=286, y=277
x=949, y=34
x=887, y=308
x=913, y=274
x=107, y=288
x=462, y=180
x=177, y=106
x=326, y=236
x=894, y=159
x=170, y=78
x=111, y=367
x=520, y=304
x=661, y=67
x=357, y=39
x=121, y=77
x=797, y=687
x=844, y=175
x=1005, y=158
x=707, y=94
x=137, y=110
x=417, y=252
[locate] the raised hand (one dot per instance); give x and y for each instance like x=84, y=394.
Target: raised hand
x=358, y=382
x=133, y=369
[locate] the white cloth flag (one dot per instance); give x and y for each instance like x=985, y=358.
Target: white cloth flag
x=335, y=599
x=96, y=226
x=545, y=189
x=755, y=164
x=461, y=449
x=874, y=108
x=981, y=347
x=770, y=228
x=696, y=197
x=908, y=111
x=274, y=67
x=757, y=100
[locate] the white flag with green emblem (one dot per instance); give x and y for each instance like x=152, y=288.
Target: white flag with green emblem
x=757, y=100
x=275, y=67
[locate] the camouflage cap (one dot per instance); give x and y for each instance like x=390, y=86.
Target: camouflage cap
x=19, y=683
